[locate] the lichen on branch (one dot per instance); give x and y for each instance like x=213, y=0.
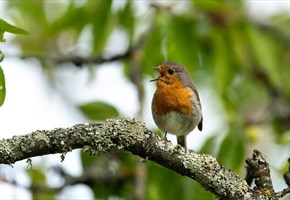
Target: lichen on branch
x=133, y=136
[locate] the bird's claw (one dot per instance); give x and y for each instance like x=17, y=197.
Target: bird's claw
x=166, y=140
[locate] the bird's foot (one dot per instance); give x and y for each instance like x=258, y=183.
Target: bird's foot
x=165, y=139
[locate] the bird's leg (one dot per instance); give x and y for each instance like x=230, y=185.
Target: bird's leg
x=165, y=138
x=181, y=140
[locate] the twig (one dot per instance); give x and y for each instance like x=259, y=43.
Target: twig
x=283, y=192
x=80, y=61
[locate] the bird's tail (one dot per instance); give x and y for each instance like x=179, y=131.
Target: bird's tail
x=181, y=140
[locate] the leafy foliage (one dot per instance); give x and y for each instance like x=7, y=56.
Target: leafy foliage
x=6, y=27
x=39, y=179
x=169, y=185
x=2, y=87
x=232, y=151
x=98, y=111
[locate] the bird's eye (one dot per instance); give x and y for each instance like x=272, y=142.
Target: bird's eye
x=170, y=71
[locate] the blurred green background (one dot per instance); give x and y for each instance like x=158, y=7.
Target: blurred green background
x=240, y=64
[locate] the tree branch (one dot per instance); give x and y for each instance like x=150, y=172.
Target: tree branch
x=80, y=61
x=258, y=169
x=130, y=135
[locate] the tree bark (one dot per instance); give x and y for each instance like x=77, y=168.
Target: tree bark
x=133, y=136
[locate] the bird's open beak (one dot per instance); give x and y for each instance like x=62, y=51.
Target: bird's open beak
x=157, y=69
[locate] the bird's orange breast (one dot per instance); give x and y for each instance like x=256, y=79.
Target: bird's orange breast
x=173, y=97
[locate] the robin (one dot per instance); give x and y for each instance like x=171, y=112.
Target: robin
x=176, y=107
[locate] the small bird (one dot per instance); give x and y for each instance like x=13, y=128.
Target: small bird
x=176, y=107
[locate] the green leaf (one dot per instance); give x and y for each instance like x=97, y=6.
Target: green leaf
x=232, y=152
x=239, y=47
x=6, y=27
x=208, y=5
x=127, y=20
x=101, y=23
x=193, y=190
x=252, y=133
x=98, y=111
x=1, y=56
x=264, y=48
x=181, y=45
x=223, y=70
x=283, y=138
x=2, y=87
x=158, y=185
x=209, y=146
x=87, y=160
x=73, y=20
x=38, y=177
x=163, y=183
x=152, y=54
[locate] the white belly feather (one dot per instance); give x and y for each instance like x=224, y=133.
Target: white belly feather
x=177, y=124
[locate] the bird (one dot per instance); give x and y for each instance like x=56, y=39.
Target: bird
x=176, y=106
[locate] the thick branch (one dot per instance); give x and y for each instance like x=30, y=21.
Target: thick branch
x=130, y=135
